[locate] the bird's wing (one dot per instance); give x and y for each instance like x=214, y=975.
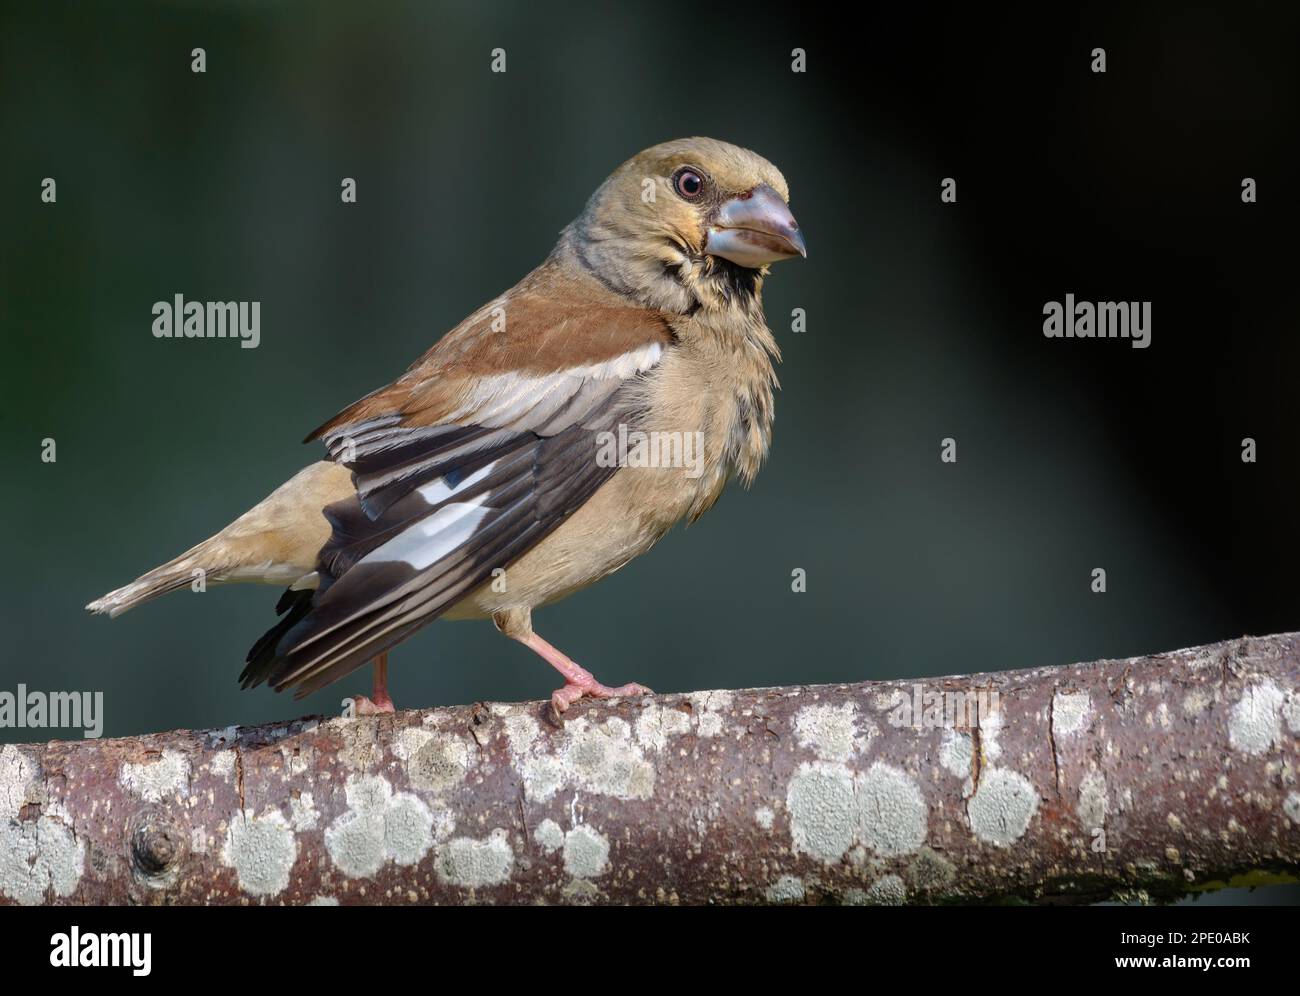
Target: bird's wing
x=463, y=464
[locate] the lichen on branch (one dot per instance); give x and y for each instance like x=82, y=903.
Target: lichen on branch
x=1149, y=777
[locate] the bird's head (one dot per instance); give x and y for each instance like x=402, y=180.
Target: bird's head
x=690, y=223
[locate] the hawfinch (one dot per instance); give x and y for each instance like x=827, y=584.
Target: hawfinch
x=488, y=479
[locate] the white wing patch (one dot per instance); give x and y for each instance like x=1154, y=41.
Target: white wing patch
x=437, y=490
x=432, y=538
x=500, y=400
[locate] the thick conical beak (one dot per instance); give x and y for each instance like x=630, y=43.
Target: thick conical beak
x=754, y=229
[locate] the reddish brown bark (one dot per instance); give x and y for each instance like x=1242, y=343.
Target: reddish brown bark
x=1151, y=776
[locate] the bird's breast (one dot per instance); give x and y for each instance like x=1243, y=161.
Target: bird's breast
x=717, y=391
x=701, y=415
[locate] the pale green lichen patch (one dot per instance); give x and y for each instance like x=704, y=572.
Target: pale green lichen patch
x=222, y=764
x=586, y=852
x=522, y=732
x=990, y=727
x=543, y=777
x=153, y=781
x=409, y=829
x=380, y=825
x=656, y=724
x=549, y=836
x=956, y=749
x=37, y=856
x=892, y=814
x=710, y=711
x=303, y=814
x=359, y=746
x=929, y=871
x=830, y=731
x=603, y=758
x=1092, y=801
x=18, y=774
x=888, y=890
x=1002, y=807
x=1255, y=724
x=821, y=806
x=831, y=809
x=1070, y=713
x=297, y=759
x=474, y=864
x=435, y=762
x=262, y=850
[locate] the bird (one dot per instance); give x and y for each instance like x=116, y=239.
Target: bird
x=492, y=477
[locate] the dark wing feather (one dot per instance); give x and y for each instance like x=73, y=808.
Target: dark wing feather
x=477, y=453
x=383, y=586
x=293, y=605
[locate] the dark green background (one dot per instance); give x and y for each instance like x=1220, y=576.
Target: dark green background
x=924, y=321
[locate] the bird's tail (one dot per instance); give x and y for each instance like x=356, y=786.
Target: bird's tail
x=193, y=567
x=275, y=542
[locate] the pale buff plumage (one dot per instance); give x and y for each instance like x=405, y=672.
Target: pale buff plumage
x=630, y=300
x=274, y=542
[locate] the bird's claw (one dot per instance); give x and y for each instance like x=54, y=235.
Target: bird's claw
x=564, y=697
x=377, y=706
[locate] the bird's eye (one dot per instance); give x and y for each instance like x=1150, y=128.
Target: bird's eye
x=688, y=183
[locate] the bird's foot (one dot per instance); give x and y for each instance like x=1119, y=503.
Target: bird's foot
x=576, y=686
x=578, y=681
x=377, y=706
x=380, y=701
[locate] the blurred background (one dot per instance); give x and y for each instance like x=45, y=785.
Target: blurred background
x=924, y=321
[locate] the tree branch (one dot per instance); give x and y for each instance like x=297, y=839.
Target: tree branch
x=1154, y=776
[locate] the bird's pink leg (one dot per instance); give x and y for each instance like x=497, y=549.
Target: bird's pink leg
x=578, y=681
x=379, y=701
